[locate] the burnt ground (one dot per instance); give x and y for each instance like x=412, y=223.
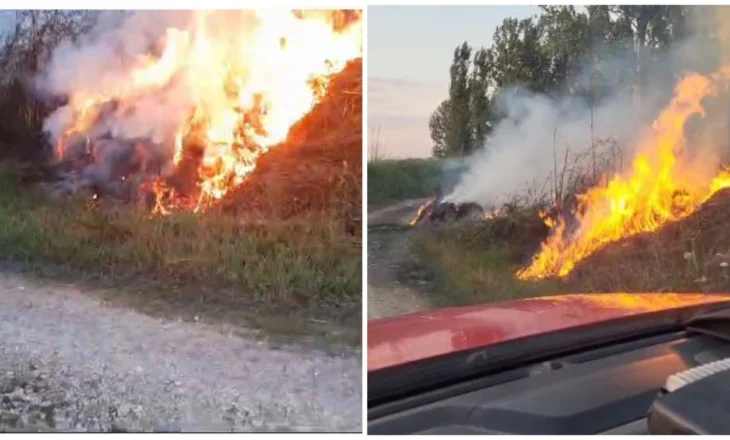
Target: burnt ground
x=393, y=289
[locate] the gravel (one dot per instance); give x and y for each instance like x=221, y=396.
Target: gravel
x=388, y=251
x=69, y=362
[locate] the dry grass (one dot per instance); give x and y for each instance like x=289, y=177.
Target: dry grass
x=476, y=263
x=691, y=255
x=283, y=251
x=319, y=168
x=304, y=268
x=472, y=263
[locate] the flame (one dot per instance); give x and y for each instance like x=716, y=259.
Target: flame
x=545, y=216
x=422, y=211
x=243, y=95
x=492, y=214
x=658, y=188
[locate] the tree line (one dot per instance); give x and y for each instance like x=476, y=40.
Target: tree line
x=562, y=51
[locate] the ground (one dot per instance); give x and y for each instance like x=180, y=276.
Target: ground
x=72, y=362
x=389, y=240
x=466, y=263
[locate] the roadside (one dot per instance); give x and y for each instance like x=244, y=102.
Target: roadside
x=71, y=362
x=389, y=252
x=294, y=277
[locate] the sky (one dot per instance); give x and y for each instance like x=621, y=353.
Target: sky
x=7, y=20
x=409, y=53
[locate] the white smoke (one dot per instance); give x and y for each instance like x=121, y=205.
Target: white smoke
x=99, y=64
x=537, y=131
x=521, y=155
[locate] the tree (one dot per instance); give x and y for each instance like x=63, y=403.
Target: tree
x=653, y=28
x=566, y=45
x=439, y=127
x=595, y=53
x=480, y=105
x=517, y=56
x=460, y=124
x=459, y=136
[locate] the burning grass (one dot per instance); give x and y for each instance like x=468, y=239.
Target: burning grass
x=663, y=184
x=265, y=127
x=690, y=255
x=305, y=267
x=190, y=118
x=280, y=250
x=472, y=263
x=319, y=168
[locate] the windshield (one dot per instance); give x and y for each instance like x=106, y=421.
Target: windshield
x=532, y=154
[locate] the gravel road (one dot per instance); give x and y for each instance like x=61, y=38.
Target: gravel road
x=69, y=362
x=389, y=239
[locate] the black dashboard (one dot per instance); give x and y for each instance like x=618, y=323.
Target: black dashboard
x=606, y=390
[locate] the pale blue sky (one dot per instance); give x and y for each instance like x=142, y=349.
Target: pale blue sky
x=409, y=54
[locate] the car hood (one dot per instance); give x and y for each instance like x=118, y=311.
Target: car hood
x=398, y=340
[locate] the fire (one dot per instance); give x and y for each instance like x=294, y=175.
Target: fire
x=492, y=214
x=658, y=188
x=545, y=216
x=422, y=211
x=239, y=96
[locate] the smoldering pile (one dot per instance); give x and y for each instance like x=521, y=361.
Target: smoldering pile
x=106, y=166
x=439, y=211
x=100, y=165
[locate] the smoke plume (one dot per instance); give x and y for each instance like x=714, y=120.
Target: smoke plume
x=527, y=147
x=144, y=91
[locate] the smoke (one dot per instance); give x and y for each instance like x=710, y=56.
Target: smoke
x=142, y=86
x=538, y=131
x=101, y=64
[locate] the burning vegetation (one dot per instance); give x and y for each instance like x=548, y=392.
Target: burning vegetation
x=668, y=191
x=662, y=185
x=667, y=181
x=244, y=126
x=178, y=111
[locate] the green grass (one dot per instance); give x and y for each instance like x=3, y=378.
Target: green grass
x=390, y=180
x=463, y=270
x=283, y=272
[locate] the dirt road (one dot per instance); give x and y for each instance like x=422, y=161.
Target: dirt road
x=69, y=362
x=389, y=239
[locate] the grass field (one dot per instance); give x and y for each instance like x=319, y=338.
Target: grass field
x=463, y=269
x=305, y=269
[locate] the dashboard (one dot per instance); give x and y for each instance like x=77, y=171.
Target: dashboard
x=606, y=390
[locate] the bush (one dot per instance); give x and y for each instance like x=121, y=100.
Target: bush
x=397, y=179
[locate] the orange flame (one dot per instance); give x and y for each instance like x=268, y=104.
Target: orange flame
x=658, y=188
x=492, y=214
x=422, y=211
x=244, y=95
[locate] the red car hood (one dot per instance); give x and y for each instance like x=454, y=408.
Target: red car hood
x=398, y=340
